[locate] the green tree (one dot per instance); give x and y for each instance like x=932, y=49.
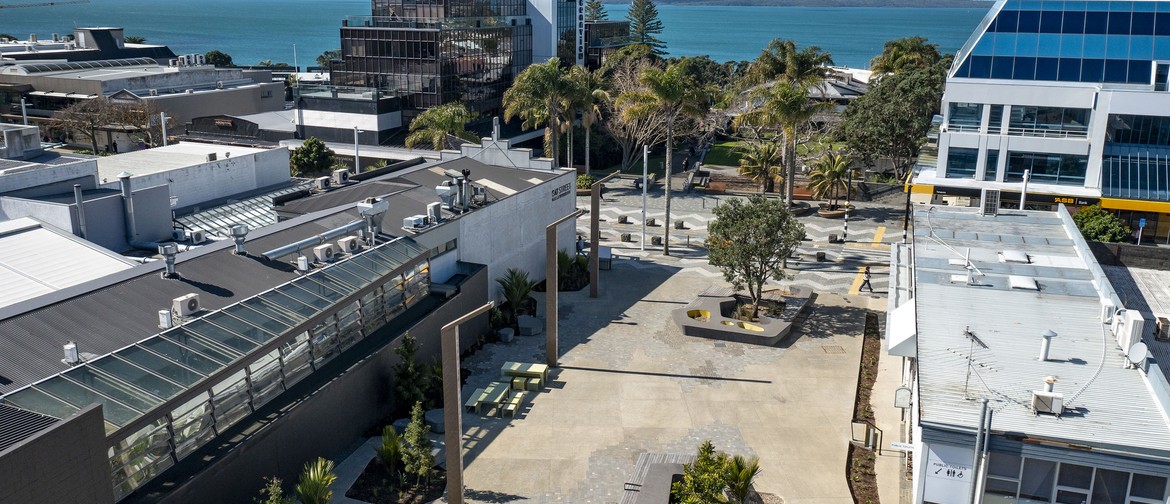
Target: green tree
x=324, y=58
x=537, y=96
x=908, y=53
x=1099, y=224
x=703, y=480
x=311, y=158
x=893, y=118
x=672, y=95
x=782, y=60
x=440, y=126
x=830, y=176
x=516, y=287
x=645, y=26
x=595, y=11
x=410, y=381
x=739, y=474
x=417, y=458
x=761, y=161
x=589, y=94
x=87, y=118
x=273, y=493
x=134, y=39
x=315, y=483
x=750, y=242
x=218, y=58
x=786, y=107
x=390, y=451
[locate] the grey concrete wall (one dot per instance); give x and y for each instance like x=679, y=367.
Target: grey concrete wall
x=152, y=213
x=214, y=180
x=1133, y=256
x=250, y=99
x=49, y=180
x=105, y=222
x=500, y=153
x=329, y=419
x=64, y=463
x=53, y=214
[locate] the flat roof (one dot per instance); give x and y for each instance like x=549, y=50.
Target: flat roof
x=172, y=157
x=36, y=259
x=983, y=340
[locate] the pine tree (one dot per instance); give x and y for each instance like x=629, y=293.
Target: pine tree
x=594, y=11
x=417, y=458
x=645, y=25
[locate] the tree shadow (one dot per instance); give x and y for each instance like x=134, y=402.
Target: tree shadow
x=491, y=496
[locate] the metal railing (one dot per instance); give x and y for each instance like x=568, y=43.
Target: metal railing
x=1079, y=132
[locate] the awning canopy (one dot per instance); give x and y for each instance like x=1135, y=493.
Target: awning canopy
x=902, y=331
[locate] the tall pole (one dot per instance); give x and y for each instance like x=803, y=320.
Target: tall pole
x=906, y=219
x=1024, y=192
x=978, y=451
x=23, y=111
x=297, y=81
x=848, y=198
x=551, y=274
x=595, y=233
x=162, y=120
x=645, y=182
x=356, y=156
x=453, y=413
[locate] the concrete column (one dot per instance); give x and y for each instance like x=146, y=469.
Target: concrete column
x=550, y=288
x=452, y=405
x=595, y=233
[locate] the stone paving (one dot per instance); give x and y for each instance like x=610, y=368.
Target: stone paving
x=630, y=382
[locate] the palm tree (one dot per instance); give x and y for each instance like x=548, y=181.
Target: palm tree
x=830, y=176
x=315, y=481
x=786, y=106
x=390, y=451
x=908, y=53
x=517, y=287
x=673, y=95
x=740, y=473
x=761, y=161
x=537, y=96
x=782, y=60
x=590, y=94
x=438, y=125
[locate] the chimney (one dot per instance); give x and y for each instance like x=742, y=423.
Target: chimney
x=496, y=128
x=80, y=202
x=1046, y=344
x=1049, y=382
x=128, y=205
x=169, y=251
x=239, y=233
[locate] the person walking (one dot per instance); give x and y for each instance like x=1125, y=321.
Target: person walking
x=866, y=278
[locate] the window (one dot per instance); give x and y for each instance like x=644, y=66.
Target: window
x=995, y=119
x=965, y=116
x=992, y=165
x=1160, y=76
x=1049, y=121
x=1013, y=479
x=1062, y=169
x=962, y=162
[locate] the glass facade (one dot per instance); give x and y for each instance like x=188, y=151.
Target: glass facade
x=567, y=18
x=965, y=116
x=1076, y=41
x=1138, y=129
x=603, y=38
x=139, y=384
x=1061, y=169
x=1012, y=479
x=962, y=162
x=1048, y=121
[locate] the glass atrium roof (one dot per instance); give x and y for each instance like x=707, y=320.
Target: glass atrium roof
x=132, y=381
x=256, y=212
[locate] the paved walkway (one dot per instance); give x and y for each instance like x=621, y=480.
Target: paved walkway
x=891, y=467
x=631, y=383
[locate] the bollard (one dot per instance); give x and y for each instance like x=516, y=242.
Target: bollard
x=656, y=240
x=650, y=221
x=622, y=219
x=833, y=238
x=679, y=224
x=820, y=257
x=626, y=237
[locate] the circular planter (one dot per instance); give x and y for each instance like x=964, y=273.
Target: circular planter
x=831, y=214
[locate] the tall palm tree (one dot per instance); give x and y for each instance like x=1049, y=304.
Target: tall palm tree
x=316, y=479
x=740, y=473
x=782, y=60
x=907, y=53
x=830, y=176
x=438, y=125
x=537, y=96
x=590, y=94
x=786, y=107
x=673, y=95
x=761, y=161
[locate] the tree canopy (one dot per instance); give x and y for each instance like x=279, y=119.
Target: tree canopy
x=539, y=96
x=440, y=126
x=133, y=39
x=750, y=241
x=1098, y=224
x=324, y=58
x=218, y=58
x=645, y=26
x=909, y=53
x=893, y=118
x=311, y=158
x=595, y=11
x=783, y=60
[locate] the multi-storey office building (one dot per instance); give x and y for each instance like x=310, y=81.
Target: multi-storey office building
x=1074, y=93
x=602, y=38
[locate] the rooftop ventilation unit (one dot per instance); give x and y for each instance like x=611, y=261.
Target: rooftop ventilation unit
x=1107, y=311
x=340, y=176
x=349, y=244
x=1047, y=402
x=198, y=236
x=154, y=92
x=1022, y=282
x=186, y=306
x=211, y=156
x=324, y=253
x=447, y=193
x=72, y=358
x=989, y=202
x=169, y=251
x=321, y=183
x=414, y=222
x=434, y=212
x=1014, y=256
x=166, y=319
x=302, y=263
x=372, y=210
x=218, y=84
x=239, y=233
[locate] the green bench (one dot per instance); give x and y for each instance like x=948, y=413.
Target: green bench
x=533, y=384
x=513, y=404
x=472, y=403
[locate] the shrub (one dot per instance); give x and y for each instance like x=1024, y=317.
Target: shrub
x=316, y=480
x=585, y=181
x=416, y=455
x=390, y=451
x=1098, y=224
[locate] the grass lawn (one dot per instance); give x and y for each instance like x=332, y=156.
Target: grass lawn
x=657, y=161
x=724, y=154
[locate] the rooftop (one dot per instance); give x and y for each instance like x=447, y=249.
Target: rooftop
x=37, y=259
x=171, y=157
x=982, y=340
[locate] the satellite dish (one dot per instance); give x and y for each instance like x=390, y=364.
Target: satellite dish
x=1137, y=353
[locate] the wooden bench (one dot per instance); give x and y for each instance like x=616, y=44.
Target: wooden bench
x=518, y=383
x=533, y=384
x=473, y=402
x=513, y=404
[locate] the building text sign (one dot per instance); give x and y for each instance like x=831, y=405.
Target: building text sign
x=948, y=473
x=560, y=191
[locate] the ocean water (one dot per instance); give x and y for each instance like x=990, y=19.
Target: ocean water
x=256, y=30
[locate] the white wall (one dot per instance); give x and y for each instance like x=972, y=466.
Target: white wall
x=218, y=179
x=34, y=175
x=544, y=22
x=511, y=233
x=347, y=120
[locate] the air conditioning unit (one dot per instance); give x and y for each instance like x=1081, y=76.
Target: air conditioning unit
x=153, y=92
x=174, y=62
x=1162, y=329
x=435, y=212
x=198, y=236
x=1047, y=402
x=349, y=244
x=1135, y=326
x=200, y=59
x=1107, y=310
x=340, y=176
x=165, y=319
x=414, y=222
x=1118, y=323
x=178, y=234
x=324, y=253
x=321, y=183
x=446, y=194
x=989, y=202
x=185, y=306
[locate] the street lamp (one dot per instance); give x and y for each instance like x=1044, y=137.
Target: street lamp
x=356, y=156
x=848, y=198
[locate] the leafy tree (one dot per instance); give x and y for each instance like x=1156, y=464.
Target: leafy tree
x=595, y=11
x=1098, y=224
x=316, y=480
x=516, y=288
x=272, y=493
x=390, y=451
x=7, y=36
x=672, y=95
x=633, y=54
x=783, y=61
x=761, y=161
x=538, y=96
x=417, y=458
x=410, y=381
x=630, y=132
x=133, y=39
x=830, y=176
x=589, y=94
x=324, y=58
x=702, y=481
x=893, y=118
x=786, y=107
x=908, y=53
x=440, y=126
x=311, y=158
x=750, y=241
x=218, y=58
x=87, y=118
x=739, y=474
x=645, y=26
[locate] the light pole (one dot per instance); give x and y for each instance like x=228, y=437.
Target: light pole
x=848, y=198
x=1024, y=192
x=551, y=274
x=162, y=121
x=453, y=412
x=23, y=111
x=356, y=156
x=645, y=182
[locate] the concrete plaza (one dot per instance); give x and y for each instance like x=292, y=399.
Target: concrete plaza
x=631, y=383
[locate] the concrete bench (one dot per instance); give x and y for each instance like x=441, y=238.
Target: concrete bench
x=473, y=401
x=532, y=384
x=513, y=404
x=529, y=326
x=519, y=382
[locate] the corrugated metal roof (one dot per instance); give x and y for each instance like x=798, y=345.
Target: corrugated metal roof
x=17, y=424
x=36, y=259
x=1112, y=408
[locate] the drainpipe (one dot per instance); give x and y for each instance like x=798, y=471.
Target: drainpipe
x=128, y=205
x=80, y=210
x=978, y=452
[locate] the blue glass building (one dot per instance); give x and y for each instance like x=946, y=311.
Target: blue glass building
x=1073, y=93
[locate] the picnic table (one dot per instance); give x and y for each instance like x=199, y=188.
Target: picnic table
x=494, y=395
x=524, y=370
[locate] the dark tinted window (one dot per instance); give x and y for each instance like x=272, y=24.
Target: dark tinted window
x=1001, y=67
x=1092, y=70
x=1096, y=22
x=1139, y=72
x=981, y=67
x=1029, y=22
x=1162, y=23
x=1143, y=23
x=1070, y=69
x=1025, y=69
x=1116, y=70
x=1007, y=20
x=1074, y=22
x=1050, y=22
x=1046, y=68
x=1119, y=23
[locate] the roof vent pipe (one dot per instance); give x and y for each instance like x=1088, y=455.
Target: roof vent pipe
x=80, y=202
x=279, y=252
x=1049, y=382
x=239, y=233
x=372, y=210
x=1046, y=343
x=169, y=251
x=128, y=205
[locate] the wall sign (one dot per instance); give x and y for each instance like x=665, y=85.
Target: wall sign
x=948, y=473
x=560, y=191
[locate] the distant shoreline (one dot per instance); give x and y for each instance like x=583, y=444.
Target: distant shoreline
x=933, y=4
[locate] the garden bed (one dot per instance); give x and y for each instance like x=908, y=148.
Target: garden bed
x=377, y=486
x=859, y=470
